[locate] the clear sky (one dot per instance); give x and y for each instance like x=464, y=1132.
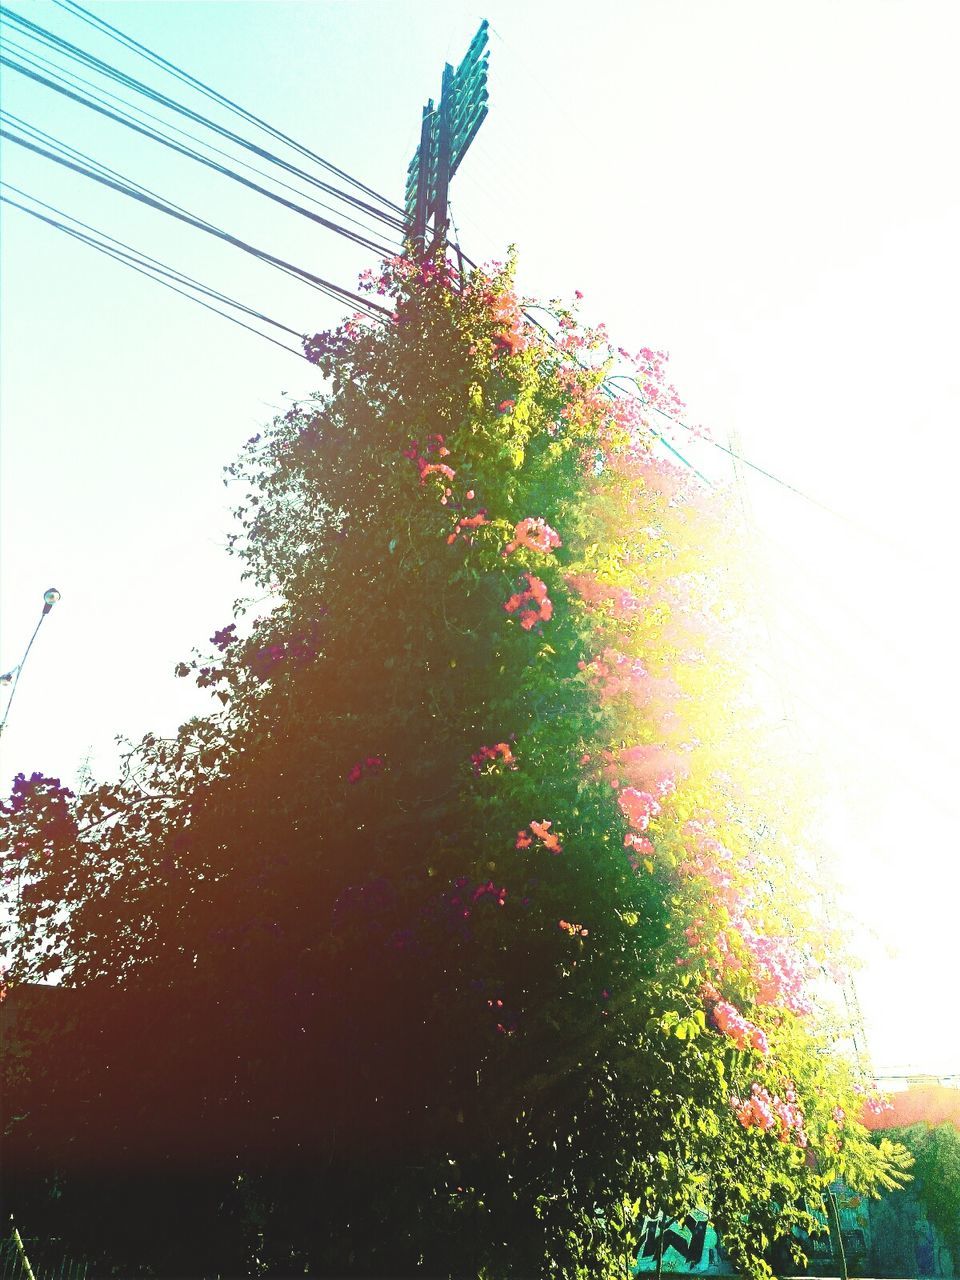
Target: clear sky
x=768, y=191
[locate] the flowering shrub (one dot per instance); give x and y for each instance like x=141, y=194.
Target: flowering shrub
x=333, y=940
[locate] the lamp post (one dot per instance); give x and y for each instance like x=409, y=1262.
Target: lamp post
x=12, y=677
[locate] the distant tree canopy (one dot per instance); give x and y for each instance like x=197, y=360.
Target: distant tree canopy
x=936, y=1172
x=476, y=922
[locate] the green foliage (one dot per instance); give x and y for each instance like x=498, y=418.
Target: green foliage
x=403, y=949
x=936, y=1172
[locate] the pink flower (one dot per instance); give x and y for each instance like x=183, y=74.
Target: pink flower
x=638, y=843
x=638, y=807
x=535, y=534
x=468, y=522
x=536, y=594
x=763, y=1112
x=482, y=890
x=498, y=752
x=739, y=1029
x=574, y=930
x=543, y=833
x=435, y=468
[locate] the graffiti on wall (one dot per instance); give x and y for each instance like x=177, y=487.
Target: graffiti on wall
x=690, y=1246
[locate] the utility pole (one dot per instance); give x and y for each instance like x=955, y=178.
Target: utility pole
x=445, y=134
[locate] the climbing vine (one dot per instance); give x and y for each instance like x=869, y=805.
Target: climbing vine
x=487, y=840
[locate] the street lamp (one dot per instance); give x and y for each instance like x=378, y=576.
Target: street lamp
x=12, y=677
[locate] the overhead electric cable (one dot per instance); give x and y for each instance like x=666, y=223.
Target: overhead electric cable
x=896, y=546
x=153, y=273
x=365, y=243
x=158, y=60
x=50, y=39
x=611, y=394
x=65, y=149
x=128, y=251
x=128, y=182
x=624, y=377
x=737, y=457
x=319, y=282
x=98, y=94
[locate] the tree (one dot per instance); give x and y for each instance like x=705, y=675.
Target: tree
x=936, y=1153
x=475, y=924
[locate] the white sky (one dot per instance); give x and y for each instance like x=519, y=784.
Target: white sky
x=768, y=191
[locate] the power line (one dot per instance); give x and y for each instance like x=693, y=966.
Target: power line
x=615, y=392
x=73, y=51
x=737, y=457
x=65, y=149
x=201, y=159
x=319, y=282
x=158, y=274
x=99, y=94
x=610, y=392
x=128, y=251
x=624, y=377
x=158, y=60
x=129, y=42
